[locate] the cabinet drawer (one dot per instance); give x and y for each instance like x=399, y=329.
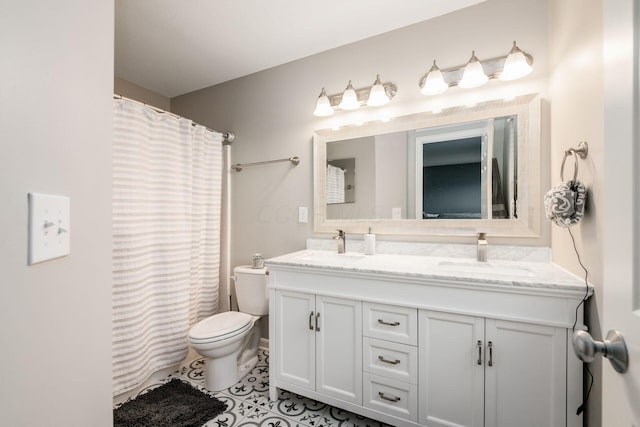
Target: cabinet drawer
x=392, y=397
x=391, y=323
x=390, y=360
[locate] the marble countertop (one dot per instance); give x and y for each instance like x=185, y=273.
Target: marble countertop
x=463, y=270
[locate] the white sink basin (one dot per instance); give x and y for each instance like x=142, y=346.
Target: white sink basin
x=332, y=257
x=485, y=269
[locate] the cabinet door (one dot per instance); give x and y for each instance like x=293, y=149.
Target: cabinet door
x=295, y=337
x=339, y=348
x=525, y=375
x=451, y=365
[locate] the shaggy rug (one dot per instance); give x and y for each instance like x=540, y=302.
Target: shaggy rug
x=174, y=404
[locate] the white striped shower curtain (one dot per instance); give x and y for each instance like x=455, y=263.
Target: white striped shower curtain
x=167, y=183
x=335, y=184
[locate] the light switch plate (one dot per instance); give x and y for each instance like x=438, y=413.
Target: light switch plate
x=49, y=227
x=303, y=214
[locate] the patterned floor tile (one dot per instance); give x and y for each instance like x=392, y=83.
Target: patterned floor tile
x=296, y=407
x=339, y=417
x=270, y=420
x=253, y=384
x=248, y=402
x=236, y=410
x=263, y=357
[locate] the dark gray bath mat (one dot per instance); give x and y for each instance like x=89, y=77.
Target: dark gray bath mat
x=174, y=404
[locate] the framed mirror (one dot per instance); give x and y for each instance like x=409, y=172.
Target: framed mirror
x=458, y=172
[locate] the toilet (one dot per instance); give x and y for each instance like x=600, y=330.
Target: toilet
x=229, y=341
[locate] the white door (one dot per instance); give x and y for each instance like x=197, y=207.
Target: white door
x=525, y=374
x=295, y=329
x=621, y=194
x=451, y=367
x=339, y=348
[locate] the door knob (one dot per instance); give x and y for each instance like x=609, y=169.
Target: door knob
x=613, y=348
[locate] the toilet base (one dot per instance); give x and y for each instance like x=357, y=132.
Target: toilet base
x=225, y=371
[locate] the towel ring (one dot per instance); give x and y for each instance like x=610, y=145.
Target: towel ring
x=581, y=151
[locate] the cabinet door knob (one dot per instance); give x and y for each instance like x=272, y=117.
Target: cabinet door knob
x=310, y=317
x=317, y=317
x=479, y=352
x=391, y=362
x=390, y=399
x=382, y=322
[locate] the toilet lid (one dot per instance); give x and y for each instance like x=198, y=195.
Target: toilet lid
x=220, y=324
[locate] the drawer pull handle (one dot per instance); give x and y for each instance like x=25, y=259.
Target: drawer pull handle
x=490, y=353
x=390, y=399
x=391, y=362
x=382, y=322
x=310, y=324
x=479, y=352
x=317, y=316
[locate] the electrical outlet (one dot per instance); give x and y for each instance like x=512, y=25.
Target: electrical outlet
x=303, y=214
x=396, y=213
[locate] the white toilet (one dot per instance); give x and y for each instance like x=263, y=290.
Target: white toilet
x=229, y=341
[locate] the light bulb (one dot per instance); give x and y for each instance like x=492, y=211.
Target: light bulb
x=323, y=106
x=377, y=95
x=516, y=65
x=474, y=75
x=349, y=99
x=434, y=83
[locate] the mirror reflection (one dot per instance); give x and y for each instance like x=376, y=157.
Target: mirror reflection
x=463, y=170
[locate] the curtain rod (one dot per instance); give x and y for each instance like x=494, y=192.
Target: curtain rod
x=228, y=137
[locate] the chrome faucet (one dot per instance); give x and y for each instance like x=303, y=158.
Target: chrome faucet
x=483, y=247
x=341, y=238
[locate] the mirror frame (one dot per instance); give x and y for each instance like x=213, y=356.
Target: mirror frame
x=528, y=223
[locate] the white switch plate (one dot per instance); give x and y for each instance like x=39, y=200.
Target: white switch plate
x=49, y=227
x=303, y=214
x=396, y=213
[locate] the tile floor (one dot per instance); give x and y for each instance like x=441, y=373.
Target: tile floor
x=248, y=403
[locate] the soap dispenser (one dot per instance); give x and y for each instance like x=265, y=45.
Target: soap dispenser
x=369, y=243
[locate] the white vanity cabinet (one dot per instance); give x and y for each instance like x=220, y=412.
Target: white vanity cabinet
x=319, y=344
x=477, y=371
x=419, y=349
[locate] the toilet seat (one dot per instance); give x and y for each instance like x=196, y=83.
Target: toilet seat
x=220, y=327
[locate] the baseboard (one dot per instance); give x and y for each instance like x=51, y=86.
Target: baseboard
x=264, y=343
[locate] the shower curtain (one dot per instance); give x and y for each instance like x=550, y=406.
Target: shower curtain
x=167, y=184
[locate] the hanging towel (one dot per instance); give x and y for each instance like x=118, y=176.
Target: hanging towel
x=564, y=203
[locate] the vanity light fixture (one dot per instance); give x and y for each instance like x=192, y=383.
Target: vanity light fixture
x=378, y=95
x=323, y=106
x=351, y=99
x=516, y=65
x=434, y=82
x=475, y=73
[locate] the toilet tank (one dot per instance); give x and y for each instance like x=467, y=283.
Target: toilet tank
x=251, y=290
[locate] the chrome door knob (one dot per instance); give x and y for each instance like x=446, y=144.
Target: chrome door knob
x=613, y=348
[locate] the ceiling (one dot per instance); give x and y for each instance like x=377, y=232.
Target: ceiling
x=177, y=46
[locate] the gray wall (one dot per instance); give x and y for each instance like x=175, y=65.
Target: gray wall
x=577, y=110
x=391, y=174
x=271, y=111
x=363, y=150
x=133, y=91
x=56, y=81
